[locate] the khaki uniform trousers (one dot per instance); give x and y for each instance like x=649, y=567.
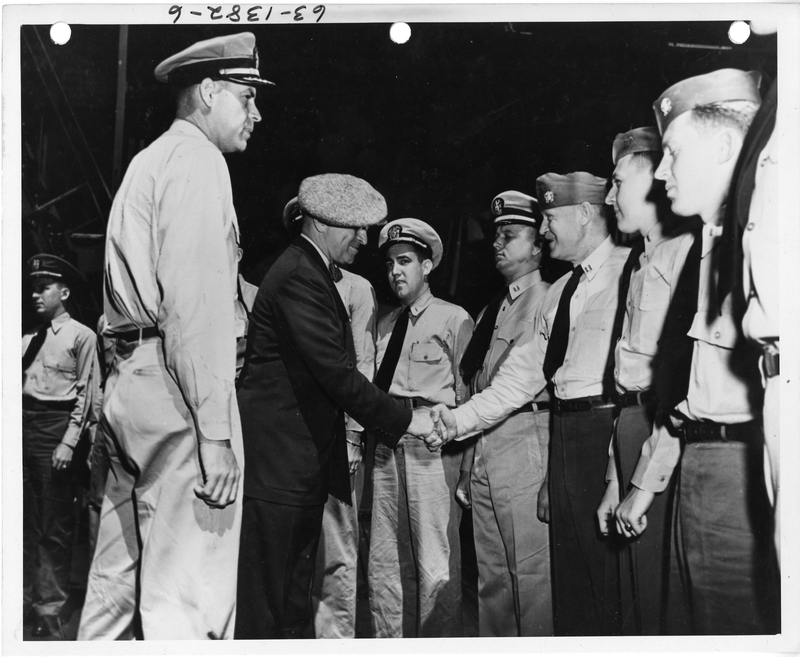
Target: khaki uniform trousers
x=511, y=544
x=165, y=563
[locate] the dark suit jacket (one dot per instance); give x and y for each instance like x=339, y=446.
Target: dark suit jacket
x=299, y=378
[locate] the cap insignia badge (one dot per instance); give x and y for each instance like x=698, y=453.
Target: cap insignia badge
x=549, y=196
x=394, y=232
x=666, y=106
x=497, y=206
x=35, y=264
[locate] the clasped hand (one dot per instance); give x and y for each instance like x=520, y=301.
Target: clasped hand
x=436, y=425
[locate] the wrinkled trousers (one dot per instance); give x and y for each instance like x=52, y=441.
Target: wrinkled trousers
x=165, y=563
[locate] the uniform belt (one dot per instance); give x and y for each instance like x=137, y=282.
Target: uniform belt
x=137, y=335
x=40, y=405
x=713, y=432
x=637, y=398
x=532, y=407
x=580, y=404
x=414, y=402
x=772, y=361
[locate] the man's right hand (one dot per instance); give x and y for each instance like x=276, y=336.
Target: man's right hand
x=631, y=518
x=221, y=474
x=605, y=512
x=462, y=490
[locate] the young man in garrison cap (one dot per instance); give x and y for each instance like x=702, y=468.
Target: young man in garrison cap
x=711, y=382
x=414, y=570
x=59, y=379
x=336, y=572
x=648, y=284
x=506, y=485
x=299, y=379
x=165, y=563
x=570, y=349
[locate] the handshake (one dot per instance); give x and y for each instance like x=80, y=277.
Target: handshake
x=436, y=425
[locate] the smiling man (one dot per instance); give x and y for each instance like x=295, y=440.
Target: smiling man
x=649, y=281
x=414, y=555
x=165, y=562
x=299, y=380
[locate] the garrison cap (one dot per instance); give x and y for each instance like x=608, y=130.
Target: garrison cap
x=638, y=140
x=718, y=86
x=233, y=58
x=555, y=190
x=338, y=199
x=412, y=231
x=52, y=266
x=513, y=207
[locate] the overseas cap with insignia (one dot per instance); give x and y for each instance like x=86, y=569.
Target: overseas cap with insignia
x=233, y=58
x=338, y=199
x=638, y=140
x=555, y=190
x=513, y=207
x=52, y=266
x=716, y=87
x=412, y=231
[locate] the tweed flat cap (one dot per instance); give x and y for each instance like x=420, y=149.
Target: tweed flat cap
x=715, y=87
x=555, y=190
x=412, y=231
x=514, y=207
x=52, y=266
x=338, y=199
x=638, y=140
x=233, y=58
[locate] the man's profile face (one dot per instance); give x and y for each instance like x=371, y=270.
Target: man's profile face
x=48, y=297
x=690, y=168
x=631, y=195
x=515, y=249
x=406, y=272
x=233, y=116
x=343, y=243
x=561, y=227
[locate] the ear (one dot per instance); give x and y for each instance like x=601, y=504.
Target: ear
x=729, y=143
x=585, y=213
x=427, y=266
x=207, y=89
x=64, y=293
x=319, y=226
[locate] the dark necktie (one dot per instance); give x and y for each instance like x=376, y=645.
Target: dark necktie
x=336, y=273
x=34, y=346
x=478, y=346
x=559, y=336
x=624, y=286
x=383, y=379
x=673, y=362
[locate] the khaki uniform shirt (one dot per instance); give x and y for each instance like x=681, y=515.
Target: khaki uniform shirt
x=65, y=369
x=171, y=262
x=428, y=368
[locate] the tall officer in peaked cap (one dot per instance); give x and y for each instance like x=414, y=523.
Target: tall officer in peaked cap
x=299, y=380
x=649, y=283
x=710, y=381
x=59, y=384
x=414, y=570
x=570, y=350
x=165, y=563
x=506, y=486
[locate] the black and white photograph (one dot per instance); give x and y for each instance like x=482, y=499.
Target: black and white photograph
x=450, y=322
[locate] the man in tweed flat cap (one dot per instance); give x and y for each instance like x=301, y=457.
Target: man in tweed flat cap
x=165, y=562
x=300, y=378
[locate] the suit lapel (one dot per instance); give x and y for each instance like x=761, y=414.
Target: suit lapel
x=306, y=247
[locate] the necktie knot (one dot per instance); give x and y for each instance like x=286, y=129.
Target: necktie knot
x=336, y=273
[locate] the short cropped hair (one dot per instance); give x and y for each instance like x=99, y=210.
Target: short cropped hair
x=647, y=160
x=736, y=114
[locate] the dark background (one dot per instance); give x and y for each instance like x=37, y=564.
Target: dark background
x=439, y=125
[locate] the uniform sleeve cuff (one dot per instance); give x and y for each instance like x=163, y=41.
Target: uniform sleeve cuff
x=651, y=476
x=467, y=421
x=71, y=437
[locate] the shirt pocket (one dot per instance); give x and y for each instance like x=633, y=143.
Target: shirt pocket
x=648, y=311
x=720, y=332
x=429, y=368
x=60, y=364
